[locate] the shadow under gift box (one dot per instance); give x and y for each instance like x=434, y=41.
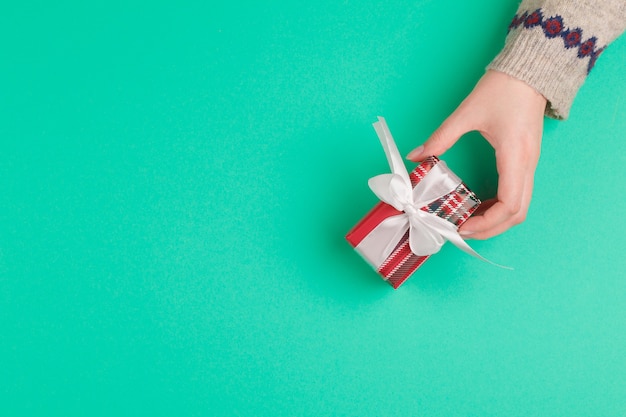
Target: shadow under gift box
x=455, y=207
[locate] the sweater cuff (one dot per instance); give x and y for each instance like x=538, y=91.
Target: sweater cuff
x=555, y=71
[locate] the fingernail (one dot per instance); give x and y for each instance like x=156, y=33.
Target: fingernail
x=465, y=233
x=415, y=152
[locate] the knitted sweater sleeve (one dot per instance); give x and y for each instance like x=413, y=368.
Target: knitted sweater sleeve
x=553, y=44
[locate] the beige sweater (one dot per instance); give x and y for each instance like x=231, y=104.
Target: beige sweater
x=553, y=44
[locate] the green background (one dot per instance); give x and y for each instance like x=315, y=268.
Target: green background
x=176, y=182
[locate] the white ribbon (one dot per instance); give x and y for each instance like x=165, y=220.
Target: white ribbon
x=427, y=231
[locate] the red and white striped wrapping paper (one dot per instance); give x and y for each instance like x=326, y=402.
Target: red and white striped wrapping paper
x=455, y=207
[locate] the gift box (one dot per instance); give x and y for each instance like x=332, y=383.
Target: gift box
x=391, y=237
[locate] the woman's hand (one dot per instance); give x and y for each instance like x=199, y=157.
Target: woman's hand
x=509, y=114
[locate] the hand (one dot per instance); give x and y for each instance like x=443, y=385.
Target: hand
x=509, y=115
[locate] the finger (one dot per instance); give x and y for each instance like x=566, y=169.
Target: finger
x=493, y=228
x=484, y=206
x=511, y=186
x=479, y=226
x=518, y=218
x=443, y=138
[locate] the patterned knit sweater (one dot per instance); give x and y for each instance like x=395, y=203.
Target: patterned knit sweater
x=553, y=44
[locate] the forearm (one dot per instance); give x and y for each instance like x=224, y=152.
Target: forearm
x=553, y=44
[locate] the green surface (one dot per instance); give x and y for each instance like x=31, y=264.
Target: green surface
x=176, y=182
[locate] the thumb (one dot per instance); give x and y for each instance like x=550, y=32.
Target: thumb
x=441, y=140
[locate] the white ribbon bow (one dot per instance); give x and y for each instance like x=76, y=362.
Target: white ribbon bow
x=427, y=231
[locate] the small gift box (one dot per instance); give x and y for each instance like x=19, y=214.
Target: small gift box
x=418, y=213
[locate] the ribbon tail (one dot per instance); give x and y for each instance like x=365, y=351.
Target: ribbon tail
x=391, y=150
x=449, y=232
x=458, y=241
